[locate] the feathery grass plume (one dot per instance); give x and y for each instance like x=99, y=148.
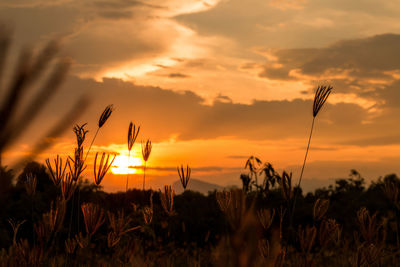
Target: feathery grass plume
x=320, y=208
x=15, y=225
x=56, y=215
x=102, y=120
x=263, y=246
x=43, y=232
x=30, y=184
x=93, y=217
x=223, y=199
x=68, y=186
x=329, y=232
x=51, y=222
x=105, y=115
x=29, y=256
x=253, y=163
x=266, y=217
x=146, y=150
x=16, y=111
x=132, y=135
x=56, y=174
x=368, y=255
x=112, y=239
x=83, y=241
x=103, y=167
x=70, y=245
x=147, y=211
x=147, y=214
x=321, y=95
x=167, y=200
x=372, y=231
x=271, y=176
x=237, y=208
x=119, y=225
x=79, y=164
x=184, y=177
x=80, y=134
x=391, y=191
x=307, y=239
x=286, y=186
x=280, y=259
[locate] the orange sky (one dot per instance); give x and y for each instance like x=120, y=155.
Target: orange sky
x=213, y=82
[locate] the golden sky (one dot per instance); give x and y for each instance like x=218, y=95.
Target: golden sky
x=213, y=82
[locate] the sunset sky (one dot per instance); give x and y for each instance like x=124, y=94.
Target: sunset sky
x=213, y=82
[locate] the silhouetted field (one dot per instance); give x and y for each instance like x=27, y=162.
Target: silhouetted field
x=346, y=224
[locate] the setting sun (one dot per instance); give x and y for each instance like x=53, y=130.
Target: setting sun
x=125, y=165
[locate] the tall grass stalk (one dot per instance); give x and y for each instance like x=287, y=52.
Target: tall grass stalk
x=146, y=150
x=321, y=95
x=132, y=135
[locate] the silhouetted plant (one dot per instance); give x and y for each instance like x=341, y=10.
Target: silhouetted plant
x=321, y=95
x=132, y=135
x=253, y=163
x=103, y=167
x=167, y=200
x=146, y=150
x=56, y=174
x=102, y=120
x=93, y=217
x=184, y=177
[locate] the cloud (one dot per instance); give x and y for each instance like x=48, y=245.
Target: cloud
x=165, y=113
x=178, y=75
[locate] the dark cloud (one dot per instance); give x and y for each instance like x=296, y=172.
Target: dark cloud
x=366, y=57
x=178, y=75
x=165, y=113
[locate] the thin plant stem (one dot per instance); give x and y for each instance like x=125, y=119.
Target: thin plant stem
x=87, y=153
x=144, y=174
x=127, y=175
x=302, y=171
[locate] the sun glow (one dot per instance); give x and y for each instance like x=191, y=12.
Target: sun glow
x=125, y=165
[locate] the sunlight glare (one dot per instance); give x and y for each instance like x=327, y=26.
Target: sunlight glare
x=125, y=165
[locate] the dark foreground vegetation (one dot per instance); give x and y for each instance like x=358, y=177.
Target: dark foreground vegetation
x=347, y=224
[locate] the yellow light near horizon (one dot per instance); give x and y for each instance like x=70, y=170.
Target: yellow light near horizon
x=125, y=165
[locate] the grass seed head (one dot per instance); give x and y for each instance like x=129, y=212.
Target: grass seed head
x=57, y=173
x=307, y=238
x=321, y=95
x=266, y=217
x=68, y=186
x=30, y=184
x=78, y=164
x=329, y=232
x=104, y=165
x=286, y=186
x=167, y=200
x=184, y=177
x=146, y=150
x=93, y=217
x=132, y=135
x=70, y=245
x=391, y=191
x=320, y=208
x=105, y=115
x=223, y=199
x=80, y=134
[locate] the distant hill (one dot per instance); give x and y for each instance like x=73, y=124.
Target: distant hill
x=196, y=185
